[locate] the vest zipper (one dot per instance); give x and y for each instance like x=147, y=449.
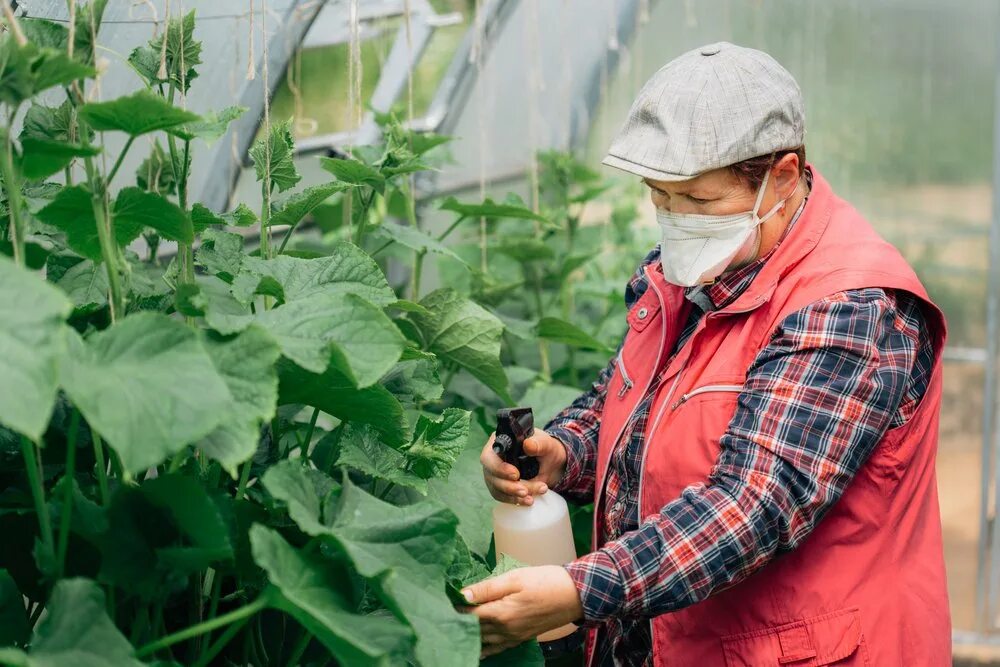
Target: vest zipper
x=598, y=497
x=626, y=380
x=704, y=390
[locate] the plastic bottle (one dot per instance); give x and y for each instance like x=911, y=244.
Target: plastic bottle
x=536, y=534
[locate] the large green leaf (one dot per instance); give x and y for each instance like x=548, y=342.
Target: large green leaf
x=183, y=53
x=404, y=552
x=32, y=336
x=346, y=270
x=438, y=442
x=548, y=400
x=246, y=364
x=29, y=69
x=41, y=158
x=42, y=122
x=490, y=209
x=56, y=36
x=135, y=209
x=335, y=394
x=525, y=249
x=561, y=331
x=353, y=172
x=161, y=531
x=14, y=628
x=413, y=238
x=309, y=494
x=297, y=206
x=202, y=218
x=466, y=494
x=222, y=311
x=72, y=211
x=414, y=378
x=312, y=591
x=361, y=449
x=77, y=631
x=147, y=385
x=210, y=126
x=136, y=114
x=341, y=329
x=220, y=253
x=272, y=157
x=204, y=537
x=86, y=284
x=461, y=331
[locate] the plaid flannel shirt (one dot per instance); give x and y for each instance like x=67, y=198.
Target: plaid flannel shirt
x=873, y=361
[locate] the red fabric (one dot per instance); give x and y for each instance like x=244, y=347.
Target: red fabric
x=867, y=587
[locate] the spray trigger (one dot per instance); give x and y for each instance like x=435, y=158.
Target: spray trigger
x=513, y=426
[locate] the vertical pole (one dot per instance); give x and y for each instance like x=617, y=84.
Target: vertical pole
x=988, y=566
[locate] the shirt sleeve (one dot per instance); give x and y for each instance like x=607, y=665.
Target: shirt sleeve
x=837, y=372
x=576, y=427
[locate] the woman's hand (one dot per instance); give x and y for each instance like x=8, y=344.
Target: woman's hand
x=522, y=604
x=504, y=481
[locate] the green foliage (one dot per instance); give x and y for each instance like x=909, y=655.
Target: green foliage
x=257, y=445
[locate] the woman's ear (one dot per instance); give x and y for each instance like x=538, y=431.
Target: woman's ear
x=785, y=173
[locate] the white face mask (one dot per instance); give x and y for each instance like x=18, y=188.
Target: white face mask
x=696, y=249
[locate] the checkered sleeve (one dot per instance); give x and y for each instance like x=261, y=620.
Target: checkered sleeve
x=817, y=400
x=577, y=426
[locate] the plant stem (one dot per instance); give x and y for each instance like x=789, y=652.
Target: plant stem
x=102, y=470
x=110, y=252
x=543, y=349
x=300, y=647
x=363, y=217
x=265, y=221
x=288, y=235
x=418, y=268
x=309, y=433
x=241, y=613
x=121, y=156
x=31, y=465
x=244, y=478
x=67, y=508
x=12, y=185
x=220, y=643
x=443, y=235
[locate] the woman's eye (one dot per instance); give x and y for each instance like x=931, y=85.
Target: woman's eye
x=698, y=200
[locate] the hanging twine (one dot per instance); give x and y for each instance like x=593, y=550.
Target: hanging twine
x=534, y=90
x=162, y=73
x=478, y=54
x=251, y=65
x=183, y=68
x=15, y=27
x=71, y=39
x=355, y=71
x=267, y=123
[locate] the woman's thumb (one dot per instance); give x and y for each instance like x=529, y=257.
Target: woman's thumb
x=535, y=445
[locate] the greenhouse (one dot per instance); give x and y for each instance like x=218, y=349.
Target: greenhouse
x=502, y=332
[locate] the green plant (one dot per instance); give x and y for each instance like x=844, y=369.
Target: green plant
x=255, y=455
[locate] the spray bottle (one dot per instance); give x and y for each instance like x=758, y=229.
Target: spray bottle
x=536, y=534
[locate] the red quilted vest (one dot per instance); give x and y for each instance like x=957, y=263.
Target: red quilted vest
x=867, y=586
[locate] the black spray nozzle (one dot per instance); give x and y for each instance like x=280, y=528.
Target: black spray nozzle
x=513, y=426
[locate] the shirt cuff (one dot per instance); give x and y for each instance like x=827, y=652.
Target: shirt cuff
x=600, y=586
x=573, y=482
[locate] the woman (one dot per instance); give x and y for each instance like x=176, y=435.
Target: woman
x=761, y=450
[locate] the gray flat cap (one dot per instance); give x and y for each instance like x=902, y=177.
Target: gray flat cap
x=711, y=107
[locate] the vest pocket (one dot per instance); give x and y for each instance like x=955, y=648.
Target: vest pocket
x=830, y=639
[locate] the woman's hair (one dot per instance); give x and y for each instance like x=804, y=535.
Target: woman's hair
x=751, y=172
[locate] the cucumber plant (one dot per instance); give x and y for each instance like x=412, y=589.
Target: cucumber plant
x=257, y=452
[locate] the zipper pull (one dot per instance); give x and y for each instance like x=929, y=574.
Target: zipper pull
x=680, y=401
x=626, y=385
